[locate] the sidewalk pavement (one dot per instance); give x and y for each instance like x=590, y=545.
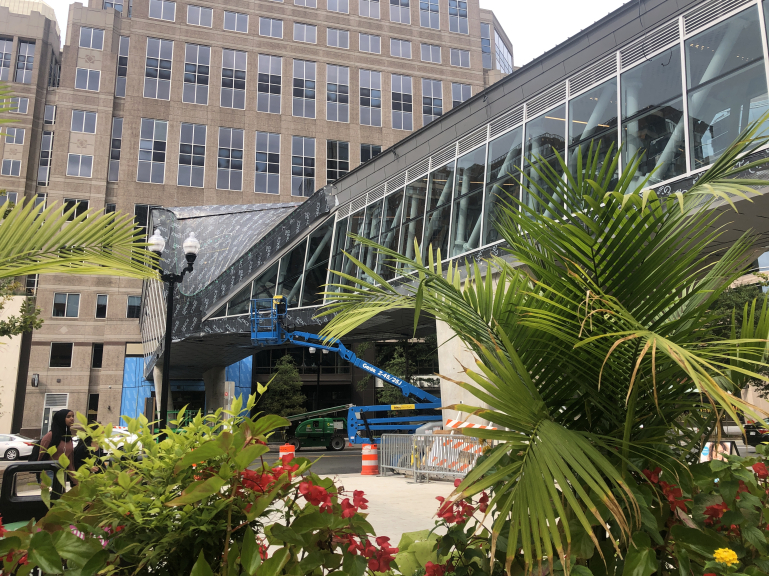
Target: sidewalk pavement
x=395, y=503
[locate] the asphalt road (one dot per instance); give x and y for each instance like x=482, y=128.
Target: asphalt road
x=348, y=461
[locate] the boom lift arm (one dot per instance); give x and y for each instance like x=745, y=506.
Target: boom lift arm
x=268, y=329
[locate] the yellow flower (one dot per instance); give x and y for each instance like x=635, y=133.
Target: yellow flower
x=725, y=556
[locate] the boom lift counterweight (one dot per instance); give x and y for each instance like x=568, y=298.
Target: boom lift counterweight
x=268, y=329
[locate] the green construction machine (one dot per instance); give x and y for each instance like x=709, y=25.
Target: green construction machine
x=318, y=428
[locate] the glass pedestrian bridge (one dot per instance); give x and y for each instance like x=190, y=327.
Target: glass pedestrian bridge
x=678, y=92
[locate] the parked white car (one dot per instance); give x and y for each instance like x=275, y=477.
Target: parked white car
x=14, y=446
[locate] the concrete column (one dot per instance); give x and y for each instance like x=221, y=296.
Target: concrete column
x=214, y=382
x=453, y=357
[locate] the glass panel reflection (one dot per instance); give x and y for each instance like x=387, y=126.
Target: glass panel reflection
x=240, y=303
x=389, y=236
x=437, y=233
x=727, y=84
x=441, y=183
x=593, y=119
x=501, y=174
x=337, y=259
x=264, y=285
x=545, y=135
x=413, y=213
x=290, y=275
x=317, y=264
x=652, y=117
x=466, y=221
x=371, y=227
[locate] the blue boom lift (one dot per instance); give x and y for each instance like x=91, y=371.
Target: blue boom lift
x=268, y=329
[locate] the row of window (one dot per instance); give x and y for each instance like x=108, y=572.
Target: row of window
x=25, y=60
x=67, y=305
x=400, y=12
x=61, y=355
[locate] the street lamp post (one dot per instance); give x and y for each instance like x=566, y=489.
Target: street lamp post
x=191, y=246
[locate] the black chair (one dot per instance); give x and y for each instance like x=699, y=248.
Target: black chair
x=15, y=508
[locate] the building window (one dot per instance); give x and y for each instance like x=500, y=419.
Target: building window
x=229, y=173
x=6, y=53
x=44, y=167
x=458, y=16
x=110, y=208
x=49, y=117
x=79, y=165
x=114, y=151
x=432, y=100
x=61, y=355
x=163, y=10
x=200, y=16
x=233, y=93
x=370, y=43
x=142, y=216
x=78, y=206
x=54, y=72
x=14, y=135
x=134, y=308
x=304, y=89
x=429, y=16
x=152, y=151
x=337, y=38
x=87, y=79
x=270, y=27
x=6, y=196
x=339, y=6
x=370, y=98
x=400, y=11
x=11, y=168
x=337, y=160
x=197, y=61
x=83, y=121
x=460, y=58
x=337, y=93
x=91, y=38
x=368, y=151
x=460, y=93
x=369, y=8
x=117, y=5
x=400, y=48
x=101, y=305
x=268, y=85
x=402, y=102
x=267, y=179
x=305, y=33
x=486, y=45
x=66, y=305
x=504, y=58
x=302, y=166
x=157, y=72
x=192, y=155
x=24, y=62
x=30, y=284
x=306, y=3
x=122, y=66
x=97, y=355
x=40, y=201
x=431, y=53
x=17, y=105
x=235, y=21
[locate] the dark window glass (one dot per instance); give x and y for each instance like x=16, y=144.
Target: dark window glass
x=241, y=302
x=368, y=151
x=652, y=116
x=264, y=285
x=61, y=355
x=317, y=265
x=134, y=307
x=504, y=158
x=97, y=355
x=290, y=275
x=101, y=305
x=466, y=221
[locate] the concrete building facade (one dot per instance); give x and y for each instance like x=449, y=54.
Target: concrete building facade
x=162, y=103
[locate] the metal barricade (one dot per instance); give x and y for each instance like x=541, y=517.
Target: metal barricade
x=425, y=455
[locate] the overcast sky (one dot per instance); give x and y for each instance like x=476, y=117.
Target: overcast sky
x=532, y=26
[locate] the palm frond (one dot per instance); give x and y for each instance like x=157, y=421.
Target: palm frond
x=57, y=241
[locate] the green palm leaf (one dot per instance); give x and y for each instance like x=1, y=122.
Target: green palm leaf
x=37, y=242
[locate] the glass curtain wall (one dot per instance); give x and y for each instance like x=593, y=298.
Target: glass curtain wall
x=316, y=266
x=437, y=218
x=468, y=204
x=391, y=221
x=502, y=177
x=726, y=83
x=413, y=216
x=372, y=224
x=593, y=122
x=653, y=117
x=291, y=274
x=545, y=135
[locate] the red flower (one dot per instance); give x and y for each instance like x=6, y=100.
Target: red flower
x=653, y=476
x=483, y=503
x=23, y=560
x=457, y=482
x=434, y=569
x=348, y=510
x=316, y=495
x=673, y=493
x=715, y=512
x=454, y=512
x=760, y=469
x=358, y=500
x=2, y=528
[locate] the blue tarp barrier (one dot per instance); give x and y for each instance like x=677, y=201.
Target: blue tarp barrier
x=136, y=389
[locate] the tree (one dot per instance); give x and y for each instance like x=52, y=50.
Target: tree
x=29, y=315
x=596, y=354
x=403, y=359
x=284, y=393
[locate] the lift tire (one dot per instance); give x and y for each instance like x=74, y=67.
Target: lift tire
x=295, y=443
x=337, y=444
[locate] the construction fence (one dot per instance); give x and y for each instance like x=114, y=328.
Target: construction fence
x=426, y=455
